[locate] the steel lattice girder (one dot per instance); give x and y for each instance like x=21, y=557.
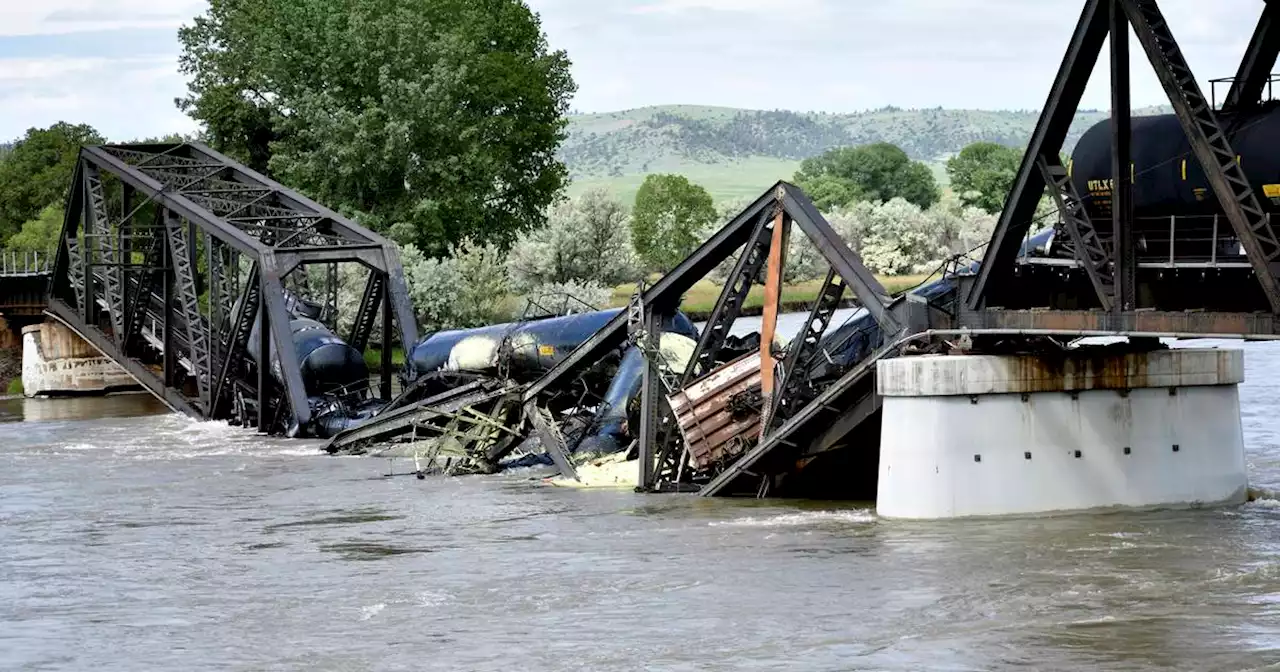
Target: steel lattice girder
x=729, y=305
x=1088, y=247
x=1208, y=141
x=181, y=181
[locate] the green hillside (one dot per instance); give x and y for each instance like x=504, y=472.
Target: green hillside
x=735, y=152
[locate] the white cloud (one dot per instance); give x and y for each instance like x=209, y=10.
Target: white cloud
x=771, y=8
x=22, y=69
x=833, y=55
x=122, y=98
x=50, y=17
x=857, y=54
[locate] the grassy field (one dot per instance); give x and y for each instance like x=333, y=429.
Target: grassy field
x=744, y=178
x=698, y=302
x=373, y=358
x=724, y=181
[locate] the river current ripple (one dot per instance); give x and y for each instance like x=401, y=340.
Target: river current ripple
x=131, y=539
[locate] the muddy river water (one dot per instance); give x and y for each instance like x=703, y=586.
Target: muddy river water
x=132, y=539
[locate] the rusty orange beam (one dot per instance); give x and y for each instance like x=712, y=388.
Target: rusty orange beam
x=772, y=300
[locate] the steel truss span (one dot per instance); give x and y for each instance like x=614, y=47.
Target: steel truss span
x=1108, y=254
x=193, y=272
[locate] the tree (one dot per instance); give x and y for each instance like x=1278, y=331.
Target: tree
x=982, y=174
x=39, y=235
x=36, y=172
x=879, y=172
x=466, y=289
x=443, y=115
x=669, y=215
x=898, y=237
x=586, y=239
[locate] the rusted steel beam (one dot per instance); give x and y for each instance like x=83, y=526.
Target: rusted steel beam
x=1208, y=324
x=772, y=297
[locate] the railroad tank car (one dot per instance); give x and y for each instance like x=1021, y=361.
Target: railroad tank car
x=1168, y=180
x=328, y=364
x=525, y=349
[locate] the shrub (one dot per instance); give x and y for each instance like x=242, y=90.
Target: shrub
x=468, y=289
x=584, y=240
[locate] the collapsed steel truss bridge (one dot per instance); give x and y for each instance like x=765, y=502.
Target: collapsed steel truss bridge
x=172, y=256
x=171, y=253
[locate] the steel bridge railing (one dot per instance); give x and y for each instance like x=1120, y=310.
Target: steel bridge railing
x=13, y=263
x=1180, y=241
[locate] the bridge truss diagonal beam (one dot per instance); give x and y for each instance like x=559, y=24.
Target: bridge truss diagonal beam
x=1047, y=139
x=664, y=296
x=769, y=221
x=1210, y=145
x=1259, y=58
x=1089, y=249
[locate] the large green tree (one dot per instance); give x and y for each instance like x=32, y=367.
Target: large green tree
x=669, y=214
x=877, y=172
x=440, y=118
x=36, y=172
x=39, y=235
x=982, y=174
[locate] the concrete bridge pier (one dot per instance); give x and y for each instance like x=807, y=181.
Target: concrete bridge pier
x=977, y=435
x=55, y=361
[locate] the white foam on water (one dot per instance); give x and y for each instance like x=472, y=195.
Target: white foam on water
x=1093, y=621
x=1119, y=535
x=177, y=437
x=309, y=451
x=372, y=610
x=85, y=446
x=1263, y=504
x=429, y=598
x=800, y=519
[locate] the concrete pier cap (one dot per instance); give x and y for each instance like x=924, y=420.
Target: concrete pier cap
x=984, y=435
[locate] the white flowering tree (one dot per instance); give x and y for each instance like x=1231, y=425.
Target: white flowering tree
x=586, y=240
x=468, y=289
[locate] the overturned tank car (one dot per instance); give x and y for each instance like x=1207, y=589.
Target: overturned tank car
x=459, y=409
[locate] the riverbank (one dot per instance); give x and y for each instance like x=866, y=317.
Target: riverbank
x=10, y=372
x=701, y=299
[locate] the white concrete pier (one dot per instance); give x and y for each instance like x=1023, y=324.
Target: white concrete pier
x=989, y=436
x=56, y=361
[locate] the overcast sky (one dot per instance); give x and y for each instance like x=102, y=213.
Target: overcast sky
x=113, y=63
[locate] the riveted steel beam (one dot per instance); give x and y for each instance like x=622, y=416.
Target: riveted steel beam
x=1047, y=139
